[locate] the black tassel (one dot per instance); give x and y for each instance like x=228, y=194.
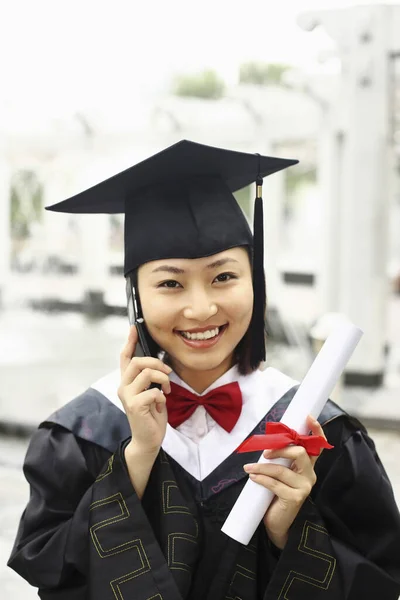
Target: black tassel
x=258, y=318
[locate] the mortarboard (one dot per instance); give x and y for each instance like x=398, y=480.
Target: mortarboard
x=179, y=203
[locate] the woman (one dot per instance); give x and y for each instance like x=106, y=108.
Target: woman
x=130, y=504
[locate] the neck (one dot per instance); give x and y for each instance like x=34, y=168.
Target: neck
x=201, y=380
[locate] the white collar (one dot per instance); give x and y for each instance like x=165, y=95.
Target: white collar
x=228, y=377
x=260, y=391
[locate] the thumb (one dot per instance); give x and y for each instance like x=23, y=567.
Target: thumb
x=315, y=427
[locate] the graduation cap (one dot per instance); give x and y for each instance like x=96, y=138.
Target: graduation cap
x=179, y=203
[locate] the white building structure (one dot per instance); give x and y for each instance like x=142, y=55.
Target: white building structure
x=82, y=150
x=357, y=166
x=346, y=134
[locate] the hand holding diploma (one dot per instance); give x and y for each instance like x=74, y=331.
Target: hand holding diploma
x=290, y=485
x=255, y=499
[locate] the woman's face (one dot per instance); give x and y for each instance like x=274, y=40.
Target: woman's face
x=198, y=310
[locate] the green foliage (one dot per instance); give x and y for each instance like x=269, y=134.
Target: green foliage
x=26, y=197
x=260, y=73
x=206, y=85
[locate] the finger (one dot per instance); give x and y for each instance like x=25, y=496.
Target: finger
x=284, y=475
x=161, y=404
x=297, y=454
x=315, y=427
x=145, y=400
x=139, y=364
x=293, y=495
x=148, y=376
x=128, y=350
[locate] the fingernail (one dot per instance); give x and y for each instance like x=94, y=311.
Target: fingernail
x=266, y=453
x=248, y=467
x=168, y=369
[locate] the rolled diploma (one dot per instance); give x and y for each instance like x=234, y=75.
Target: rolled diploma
x=310, y=398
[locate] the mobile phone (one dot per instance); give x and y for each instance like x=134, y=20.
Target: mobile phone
x=135, y=318
x=144, y=342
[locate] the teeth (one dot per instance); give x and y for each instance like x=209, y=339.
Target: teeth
x=204, y=335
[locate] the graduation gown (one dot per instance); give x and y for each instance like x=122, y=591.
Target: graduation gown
x=86, y=535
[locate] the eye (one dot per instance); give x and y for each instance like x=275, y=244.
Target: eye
x=225, y=277
x=169, y=283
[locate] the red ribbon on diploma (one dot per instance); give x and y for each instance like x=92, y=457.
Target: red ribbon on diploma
x=278, y=435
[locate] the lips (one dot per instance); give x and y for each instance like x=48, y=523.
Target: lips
x=204, y=337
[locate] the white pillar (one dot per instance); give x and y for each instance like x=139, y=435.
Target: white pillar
x=87, y=248
x=330, y=184
x=5, y=228
x=363, y=243
x=55, y=225
x=93, y=267
x=94, y=240
x=357, y=258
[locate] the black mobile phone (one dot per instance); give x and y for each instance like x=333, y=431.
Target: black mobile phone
x=144, y=342
x=135, y=318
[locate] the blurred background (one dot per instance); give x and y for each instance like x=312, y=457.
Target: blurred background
x=89, y=88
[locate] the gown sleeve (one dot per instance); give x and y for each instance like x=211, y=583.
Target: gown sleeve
x=84, y=533
x=50, y=550
x=345, y=541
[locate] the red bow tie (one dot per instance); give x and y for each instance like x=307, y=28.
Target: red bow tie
x=224, y=404
x=279, y=435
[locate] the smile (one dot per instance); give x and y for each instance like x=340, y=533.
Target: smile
x=203, y=339
x=201, y=335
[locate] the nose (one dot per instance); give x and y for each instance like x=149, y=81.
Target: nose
x=200, y=306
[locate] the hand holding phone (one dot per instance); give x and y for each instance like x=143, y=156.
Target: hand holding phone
x=145, y=406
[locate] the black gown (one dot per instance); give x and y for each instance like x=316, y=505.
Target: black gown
x=85, y=534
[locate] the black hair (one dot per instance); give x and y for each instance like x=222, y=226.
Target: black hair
x=243, y=352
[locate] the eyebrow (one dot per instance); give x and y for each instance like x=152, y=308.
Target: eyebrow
x=168, y=269
x=221, y=262
x=176, y=271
